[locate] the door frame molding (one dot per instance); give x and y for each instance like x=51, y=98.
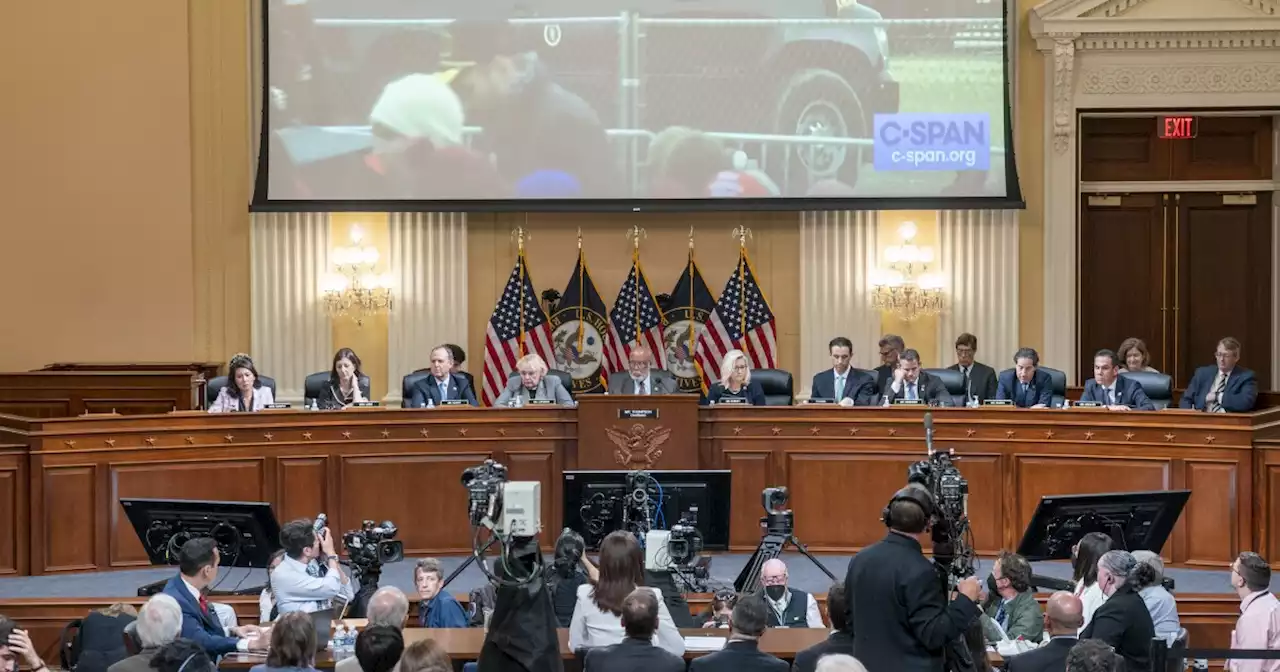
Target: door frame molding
x=1170, y=187
x=1098, y=58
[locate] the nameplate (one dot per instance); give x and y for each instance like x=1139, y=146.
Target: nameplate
x=731, y=400
x=637, y=414
x=366, y=404
x=541, y=402
x=274, y=406
x=908, y=402
x=455, y=402
x=1088, y=404
x=997, y=402
x=819, y=400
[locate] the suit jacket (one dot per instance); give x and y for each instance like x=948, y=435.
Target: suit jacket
x=1128, y=393
x=1039, y=392
x=1051, y=657
x=929, y=389
x=859, y=387
x=660, y=382
x=1022, y=617
x=901, y=614
x=982, y=381
x=753, y=392
x=549, y=387
x=139, y=662
x=884, y=378
x=427, y=389
x=1239, y=396
x=632, y=655
x=742, y=655
x=839, y=641
x=198, y=625
x=1124, y=622
x=228, y=402
x=330, y=396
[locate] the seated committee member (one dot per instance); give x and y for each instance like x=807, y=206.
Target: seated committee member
x=197, y=569
x=910, y=383
x=735, y=381
x=1224, y=388
x=298, y=583
x=639, y=379
x=443, y=384
x=597, y=614
x=533, y=383
x=243, y=391
x=636, y=652
x=1025, y=384
x=1110, y=389
x=891, y=346
x=343, y=387
x=788, y=607
x=841, y=382
x=1134, y=356
x=979, y=379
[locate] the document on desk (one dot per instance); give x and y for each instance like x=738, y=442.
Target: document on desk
x=703, y=643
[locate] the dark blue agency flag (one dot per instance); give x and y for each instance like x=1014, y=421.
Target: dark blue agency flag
x=578, y=331
x=687, y=314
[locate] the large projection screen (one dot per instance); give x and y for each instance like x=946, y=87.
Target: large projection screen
x=630, y=104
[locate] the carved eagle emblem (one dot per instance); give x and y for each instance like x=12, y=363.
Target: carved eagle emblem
x=638, y=446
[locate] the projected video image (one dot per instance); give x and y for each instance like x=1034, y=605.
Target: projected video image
x=622, y=99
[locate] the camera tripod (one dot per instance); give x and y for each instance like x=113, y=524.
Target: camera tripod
x=778, y=534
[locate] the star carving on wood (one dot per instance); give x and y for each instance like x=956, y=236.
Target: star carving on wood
x=386, y=433
x=462, y=431
x=111, y=443
x=1088, y=435
x=346, y=435
x=970, y=432
x=69, y=444
x=191, y=440
x=151, y=440
x=737, y=431
x=540, y=431
x=424, y=432
x=814, y=430
x=502, y=431
x=853, y=431
x=1210, y=438
x=1169, y=437
x=777, y=431
x=306, y=436
x=893, y=431
x=269, y=436
x=1008, y=433
x=1128, y=436
x=1048, y=433
x=229, y=438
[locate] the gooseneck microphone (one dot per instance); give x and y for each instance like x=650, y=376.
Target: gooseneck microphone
x=928, y=432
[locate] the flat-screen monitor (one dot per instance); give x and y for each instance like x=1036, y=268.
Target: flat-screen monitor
x=1135, y=521
x=621, y=104
x=594, y=502
x=247, y=533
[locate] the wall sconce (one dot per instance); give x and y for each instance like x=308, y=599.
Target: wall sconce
x=905, y=288
x=353, y=288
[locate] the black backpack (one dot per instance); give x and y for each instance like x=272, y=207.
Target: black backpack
x=94, y=643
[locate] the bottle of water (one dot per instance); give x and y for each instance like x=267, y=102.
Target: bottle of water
x=349, y=643
x=1200, y=664
x=886, y=401
x=431, y=403
x=338, y=639
x=519, y=399
x=1066, y=403
x=314, y=405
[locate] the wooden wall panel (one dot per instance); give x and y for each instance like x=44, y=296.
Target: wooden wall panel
x=1217, y=495
x=752, y=473
x=852, y=520
x=69, y=518
x=14, y=518
x=302, y=486
x=544, y=467
x=1036, y=477
x=406, y=488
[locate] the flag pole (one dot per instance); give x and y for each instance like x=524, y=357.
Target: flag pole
x=635, y=234
x=693, y=341
x=741, y=234
x=582, y=330
x=519, y=232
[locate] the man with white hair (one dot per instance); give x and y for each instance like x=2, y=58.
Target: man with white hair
x=389, y=607
x=1149, y=581
x=1123, y=621
x=788, y=607
x=839, y=662
x=159, y=622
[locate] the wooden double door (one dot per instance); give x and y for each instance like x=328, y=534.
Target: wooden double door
x=1180, y=271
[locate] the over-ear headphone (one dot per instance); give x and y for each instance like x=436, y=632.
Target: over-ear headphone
x=911, y=493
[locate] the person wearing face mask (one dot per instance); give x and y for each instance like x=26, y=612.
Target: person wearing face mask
x=788, y=607
x=345, y=382
x=1123, y=620
x=1010, y=602
x=197, y=569
x=243, y=391
x=533, y=384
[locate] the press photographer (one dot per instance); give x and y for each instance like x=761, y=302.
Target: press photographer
x=303, y=582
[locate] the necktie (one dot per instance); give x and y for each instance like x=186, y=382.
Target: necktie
x=1025, y=389
x=204, y=604
x=839, y=387
x=911, y=391
x=1111, y=400
x=1219, y=385
x=640, y=387
x=444, y=391
x=1001, y=616
x=313, y=569
x=968, y=389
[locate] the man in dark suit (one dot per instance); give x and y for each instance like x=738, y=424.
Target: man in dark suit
x=891, y=346
x=443, y=384
x=841, y=638
x=979, y=379
x=636, y=652
x=897, y=603
x=742, y=653
x=640, y=378
x=1224, y=387
x=1025, y=384
x=1063, y=616
x=909, y=382
x=197, y=568
x=846, y=385
x=1123, y=621
x=1112, y=391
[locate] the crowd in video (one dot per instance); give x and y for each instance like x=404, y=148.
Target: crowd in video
x=415, y=100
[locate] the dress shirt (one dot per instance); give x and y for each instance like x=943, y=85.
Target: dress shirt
x=812, y=614
x=1257, y=628
x=241, y=644
x=296, y=590
x=1091, y=598
x=643, y=385
x=1164, y=612
x=590, y=627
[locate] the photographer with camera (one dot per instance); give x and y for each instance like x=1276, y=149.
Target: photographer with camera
x=898, y=603
x=569, y=569
x=299, y=584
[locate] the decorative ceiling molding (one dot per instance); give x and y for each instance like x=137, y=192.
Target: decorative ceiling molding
x=1113, y=8
x=1102, y=24
x=1166, y=79
x=1168, y=40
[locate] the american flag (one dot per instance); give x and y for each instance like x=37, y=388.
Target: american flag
x=511, y=325
x=634, y=321
x=742, y=320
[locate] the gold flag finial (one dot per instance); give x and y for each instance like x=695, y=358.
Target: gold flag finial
x=521, y=236
x=742, y=233
x=579, y=237
x=634, y=234
x=691, y=238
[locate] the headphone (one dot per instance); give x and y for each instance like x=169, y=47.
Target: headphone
x=912, y=493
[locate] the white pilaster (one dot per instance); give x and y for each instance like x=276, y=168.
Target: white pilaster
x=978, y=258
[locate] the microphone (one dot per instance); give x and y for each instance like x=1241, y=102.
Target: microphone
x=928, y=432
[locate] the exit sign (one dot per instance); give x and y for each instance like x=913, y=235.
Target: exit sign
x=1177, y=128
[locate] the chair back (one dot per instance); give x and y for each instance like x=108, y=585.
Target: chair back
x=954, y=382
x=777, y=386
x=407, y=383
x=1058, y=382
x=1157, y=386
x=215, y=386
x=315, y=382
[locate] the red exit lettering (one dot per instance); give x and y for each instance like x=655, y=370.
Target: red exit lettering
x=1177, y=128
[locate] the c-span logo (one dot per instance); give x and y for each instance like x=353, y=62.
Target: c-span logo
x=579, y=346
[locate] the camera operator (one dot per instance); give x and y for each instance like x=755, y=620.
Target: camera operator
x=298, y=583
x=898, y=606
x=569, y=569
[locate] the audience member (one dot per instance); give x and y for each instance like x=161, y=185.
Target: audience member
x=1148, y=579
x=182, y=655
x=1084, y=571
x=1259, y=624
x=839, y=662
x=1091, y=655
x=1062, y=617
x=378, y=649
x=16, y=647
x=570, y=568
x=1122, y=621
x=840, y=641
x=267, y=598
x=387, y=609
x=425, y=655
x=299, y=583
x=436, y=607
x=197, y=569
x=742, y=652
x=293, y=644
x=1011, y=605
x=596, y=616
x=975, y=641
x=636, y=652
x=717, y=613
x=159, y=622
x=788, y=607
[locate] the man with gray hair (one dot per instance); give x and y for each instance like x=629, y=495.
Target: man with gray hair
x=839, y=662
x=1123, y=621
x=891, y=346
x=159, y=622
x=389, y=606
x=1149, y=580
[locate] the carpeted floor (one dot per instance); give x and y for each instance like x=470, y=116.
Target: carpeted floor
x=724, y=568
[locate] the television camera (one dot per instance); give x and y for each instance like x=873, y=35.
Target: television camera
x=952, y=537
x=779, y=530
x=512, y=512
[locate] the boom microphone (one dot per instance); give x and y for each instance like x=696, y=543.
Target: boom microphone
x=928, y=432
